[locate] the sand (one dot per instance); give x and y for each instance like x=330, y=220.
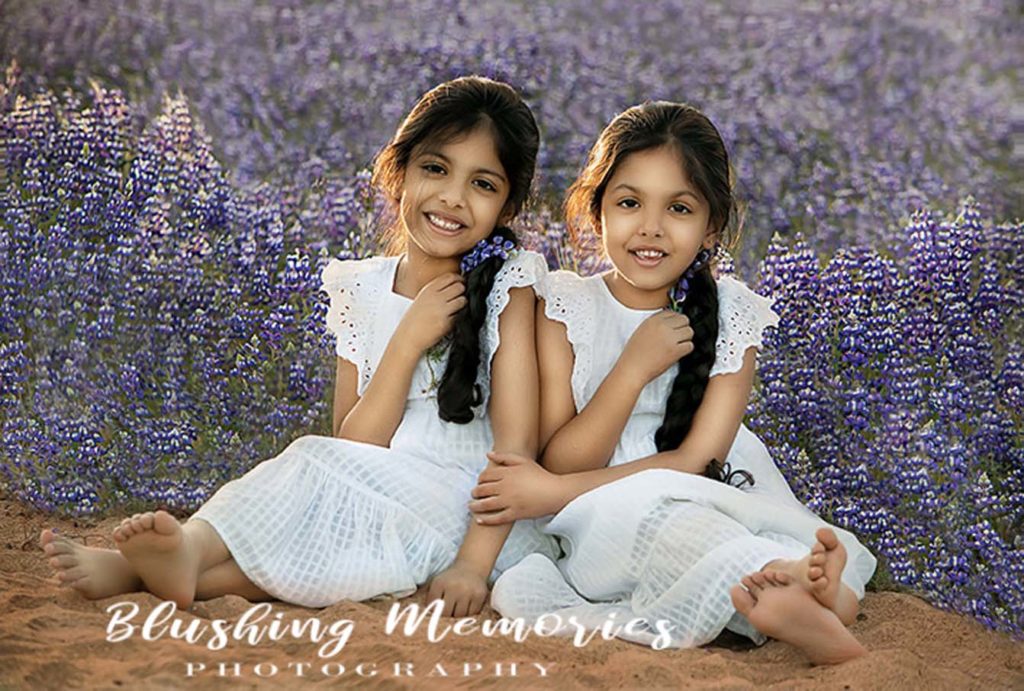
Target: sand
x=52, y=638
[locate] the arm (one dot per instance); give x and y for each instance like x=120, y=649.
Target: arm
x=374, y=417
x=520, y=489
x=587, y=441
x=571, y=442
x=712, y=434
x=513, y=412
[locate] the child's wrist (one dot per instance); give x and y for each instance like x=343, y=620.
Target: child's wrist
x=475, y=566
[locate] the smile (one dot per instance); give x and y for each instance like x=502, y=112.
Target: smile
x=648, y=257
x=443, y=224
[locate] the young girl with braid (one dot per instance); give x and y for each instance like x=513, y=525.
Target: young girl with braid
x=433, y=344
x=645, y=372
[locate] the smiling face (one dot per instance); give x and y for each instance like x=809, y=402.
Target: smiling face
x=653, y=223
x=453, y=194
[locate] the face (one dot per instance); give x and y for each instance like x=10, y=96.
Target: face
x=453, y=194
x=653, y=221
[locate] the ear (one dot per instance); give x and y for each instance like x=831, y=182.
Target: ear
x=710, y=238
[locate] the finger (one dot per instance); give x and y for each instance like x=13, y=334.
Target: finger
x=503, y=458
x=453, y=290
x=684, y=334
x=456, y=304
x=497, y=518
x=488, y=505
x=683, y=349
x=477, y=604
x=460, y=607
x=491, y=474
x=448, y=606
x=434, y=592
x=483, y=491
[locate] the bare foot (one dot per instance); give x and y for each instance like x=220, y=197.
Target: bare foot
x=155, y=546
x=792, y=615
x=820, y=572
x=93, y=571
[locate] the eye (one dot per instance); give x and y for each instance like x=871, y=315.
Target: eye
x=679, y=208
x=485, y=185
x=434, y=168
x=629, y=203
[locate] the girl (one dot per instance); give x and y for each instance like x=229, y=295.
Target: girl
x=662, y=546
x=381, y=506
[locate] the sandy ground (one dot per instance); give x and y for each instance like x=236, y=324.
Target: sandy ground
x=52, y=638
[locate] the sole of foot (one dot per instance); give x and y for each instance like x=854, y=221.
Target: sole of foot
x=156, y=547
x=94, y=572
x=791, y=614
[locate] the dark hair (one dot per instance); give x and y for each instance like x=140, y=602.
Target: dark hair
x=446, y=112
x=688, y=132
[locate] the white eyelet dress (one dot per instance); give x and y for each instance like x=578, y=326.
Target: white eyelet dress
x=662, y=544
x=331, y=519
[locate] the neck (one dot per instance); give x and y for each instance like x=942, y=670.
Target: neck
x=633, y=297
x=416, y=269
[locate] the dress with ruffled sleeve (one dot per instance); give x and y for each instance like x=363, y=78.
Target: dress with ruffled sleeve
x=661, y=544
x=331, y=519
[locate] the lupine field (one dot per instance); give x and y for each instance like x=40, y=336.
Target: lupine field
x=174, y=174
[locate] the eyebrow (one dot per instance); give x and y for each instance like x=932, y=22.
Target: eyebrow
x=438, y=154
x=680, y=193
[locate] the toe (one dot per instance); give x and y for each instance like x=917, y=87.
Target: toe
x=146, y=521
x=750, y=584
x=827, y=537
x=63, y=561
x=742, y=600
x=46, y=537
x=815, y=573
x=759, y=579
x=164, y=523
x=72, y=574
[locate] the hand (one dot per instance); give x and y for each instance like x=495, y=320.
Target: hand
x=515, y=487
x=657, y=344
x=431, y=314
x=463, y=589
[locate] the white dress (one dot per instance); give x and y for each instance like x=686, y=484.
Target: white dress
x=661, y=544
x=331, y=519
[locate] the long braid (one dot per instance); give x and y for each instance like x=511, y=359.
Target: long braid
x=701, y=308
x=458, y=391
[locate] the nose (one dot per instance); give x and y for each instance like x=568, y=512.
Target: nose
x=650, y=224
x=451, y=195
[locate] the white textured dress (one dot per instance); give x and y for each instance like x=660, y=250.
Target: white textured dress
x=331, y=519
x=662, y=544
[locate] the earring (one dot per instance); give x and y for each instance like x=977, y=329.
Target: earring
x=677, y=295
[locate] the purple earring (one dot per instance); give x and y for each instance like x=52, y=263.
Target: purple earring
x=677, y=295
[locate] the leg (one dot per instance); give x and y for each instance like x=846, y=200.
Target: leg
x=167, y=556
x=93, y=571
x=226, y=578
x=792, y=615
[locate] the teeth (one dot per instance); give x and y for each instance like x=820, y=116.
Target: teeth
x=442, y=223
x=649, y=254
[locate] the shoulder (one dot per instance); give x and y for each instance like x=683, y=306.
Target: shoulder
x=737, y=301
x=522, y=269
x=743, y=316
x=564, y=285
x=341, y=271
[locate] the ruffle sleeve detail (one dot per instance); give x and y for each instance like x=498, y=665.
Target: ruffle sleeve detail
x=568, y=301
x=743, y=315
x=356, y=290
x=522, y=270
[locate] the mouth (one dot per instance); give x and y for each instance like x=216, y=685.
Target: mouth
x=444, y=225
x=648, y=256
